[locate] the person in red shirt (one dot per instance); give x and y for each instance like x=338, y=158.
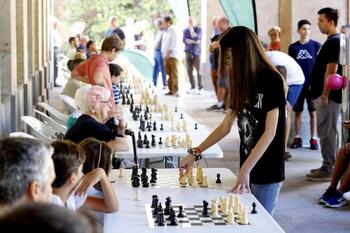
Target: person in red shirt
x=275, y=41
x=95, y=70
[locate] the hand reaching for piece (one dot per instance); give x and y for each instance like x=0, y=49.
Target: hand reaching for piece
x=186, y=163
x=242, y=183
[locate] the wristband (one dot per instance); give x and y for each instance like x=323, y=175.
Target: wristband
x=193, y=151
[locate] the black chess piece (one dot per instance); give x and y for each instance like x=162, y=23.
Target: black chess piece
x=131, y=107
x=254, y=208
x=181, y=116
x=205, y=209
x=139, y=135
x=218, y=181
x=160, y=141
x=145, y=139
x=147, y=109
x=127, y=101
x=160, y=208
x=153, y=200
x=180, y=214
x=167, y=206
x=123, y=99
x=175, y=109
x=161, y=127
x=147, y=144
x=139, y=143
x=146, y=116
x=160, y=218
x=195, y=126
x=172, y=218
x=155, y=208
x=145, y=183
x=149, y=126
x=153, y=176
x=135, y=181
x=153, y=143
x=134, y=116
x=154, y=126
x=144, y=172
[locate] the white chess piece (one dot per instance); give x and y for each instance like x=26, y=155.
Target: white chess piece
x=137, y=195
x=223, y=205
x=121, y=170
x=243, y=217
x=214, y=211
x=231, y=217
x=230, y=201
x=204, y=181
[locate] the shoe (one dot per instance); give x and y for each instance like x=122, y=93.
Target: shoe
x=287, y=155
x=169, y=93
x=347, y=195
x=327, y=195
x=315, y=169
x=336, y=201
x=200, y=91
x=191, y=91
x=57, y=85
x=320, y=175
x=176, y=94
x=215, y=107
x=313, y=144
x=297, y=143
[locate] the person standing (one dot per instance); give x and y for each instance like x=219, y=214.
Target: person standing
x=170, y=56
x=275, y=41
x=328, y=103
x=158, y=59
x=192, y=39
x=213, y=55
x=304, y=51
x=256, y=98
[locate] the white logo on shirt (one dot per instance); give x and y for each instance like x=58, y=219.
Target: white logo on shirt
x=259, y=103
x=304, y=54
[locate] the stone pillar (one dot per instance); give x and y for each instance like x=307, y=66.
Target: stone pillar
x=38, y=35
x=8, y=64
x=285, y=18
x=22, y=42
x=31, y=37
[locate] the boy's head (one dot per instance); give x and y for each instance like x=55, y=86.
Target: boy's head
x=71, y=64
x=91, y=46
x=304, y=29
x=68, y=160
x=110, y=46
x=115, y=70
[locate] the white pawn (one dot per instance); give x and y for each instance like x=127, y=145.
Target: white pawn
x=243, y=218
x=230, y=201
x=137, y=195
x=231, y=217
x=223, y=206
x=204, y=182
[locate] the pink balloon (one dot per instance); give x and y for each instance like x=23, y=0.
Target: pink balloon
x=335, y=81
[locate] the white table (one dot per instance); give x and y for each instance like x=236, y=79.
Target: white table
x=132, y=218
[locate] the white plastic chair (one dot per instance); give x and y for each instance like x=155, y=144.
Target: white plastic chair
x=69, y=103
x=51, y=122
x=58, y=116
x=39, y=129
x=21, y=135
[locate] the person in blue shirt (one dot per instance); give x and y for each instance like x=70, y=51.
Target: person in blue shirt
x=304, y=51
x=192, y=38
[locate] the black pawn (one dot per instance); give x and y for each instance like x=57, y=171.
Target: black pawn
x=160, y=141
x=145, y=139
x=153, y=143
x=205, y=209
x=147, y=144
x=254, y=208
x=154, y=126
x=131, y=107
x=195, y=126
x=161, y=127
x=175, y=109
x=172, y=218
x=139, y=143
x=160, y=219
x=218, y=181
x=181, y=116
x=127, y=101
x=180, y=214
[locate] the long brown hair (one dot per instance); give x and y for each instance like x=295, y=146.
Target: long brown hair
x=242, y=59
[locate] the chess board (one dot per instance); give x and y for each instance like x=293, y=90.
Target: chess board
x=193, y=217
x=165, y=181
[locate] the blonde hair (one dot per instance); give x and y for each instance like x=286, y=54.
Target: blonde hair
x=276, y=29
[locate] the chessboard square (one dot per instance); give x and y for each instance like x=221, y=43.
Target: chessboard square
x=196, y=224
x=198, y=206
x=206, y=221
x=220, y=223
x=189, y=209
x=194, y=219
x=191, y=213
x=183, y=221
x=216, y=218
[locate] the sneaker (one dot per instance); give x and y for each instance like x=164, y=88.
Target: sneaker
x=347, y=195
x=297, y=143
x=176, y=94
x=327, y=195
x=169, y=93
x=214, y=107
x=315, y=169
x=336, y=201
x=287, y=155
x=313, y=144
x=191, y=91
x=320, y=175
x=200, y=91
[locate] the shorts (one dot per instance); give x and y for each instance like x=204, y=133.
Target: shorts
x=293, y=93
x=222, y=82
x=305, y=94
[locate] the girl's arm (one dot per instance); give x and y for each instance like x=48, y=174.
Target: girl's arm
x=265, y=140
x=221, y=131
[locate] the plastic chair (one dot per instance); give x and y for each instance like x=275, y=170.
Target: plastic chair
x=69, y=103
x=39, y=129
x=51, y=122
x=54, y=114
x=21, y=135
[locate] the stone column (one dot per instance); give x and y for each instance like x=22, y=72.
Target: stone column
x=31, y=37
x=22, y=42
x=38, y=35
x=285, y=18
x=8, y=64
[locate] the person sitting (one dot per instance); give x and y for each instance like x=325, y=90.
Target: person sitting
x=91, y=48
x=116, y=72
x=71, y=186
x=98, y=155
x=333, y=197
x=44, y=217
x=93, y=123
x=26, y=171
x=72, y=84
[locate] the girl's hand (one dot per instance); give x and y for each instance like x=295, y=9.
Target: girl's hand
x=88, y=180
x=242, y=183
x=186, y=163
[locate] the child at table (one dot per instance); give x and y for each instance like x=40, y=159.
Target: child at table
x=71, y=186
x=98, y=155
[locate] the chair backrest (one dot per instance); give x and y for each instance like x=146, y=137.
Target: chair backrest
x=54, y=114
x=39, y=129
x=21, y=135
x=51, y=122
x=69, y=103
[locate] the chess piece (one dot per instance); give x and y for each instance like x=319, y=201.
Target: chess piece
x=167, y=206
x=167, y=141
x=127, y=100
x=154, y=126
x=254, y=208
x=131, y=107
x=160, y=141
x=135, y=181
x=230, y=201
x=145, y=139
x=121, y=170
x=161, y=127
x=153, y=201
x=172, y=218
x=214, y=211
x=180, y=214
x=139, y=143
x=199, y=175
x=195, y=126
x=160, y=218
x=204, y=182
x=160, y=207
x=223, y=205
x=205, y=209
x=218, y=181
x=230, y=217
x=155, y=208
x=181, y=116
x=175, y=110
x=153, y=143
x=137, y=195
x=153, y=176
x=243, y=217
x=182, y=180
x=147, y=145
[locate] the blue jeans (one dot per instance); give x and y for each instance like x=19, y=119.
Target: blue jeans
x=159, y=67
x=293, y=93
x=267, y=194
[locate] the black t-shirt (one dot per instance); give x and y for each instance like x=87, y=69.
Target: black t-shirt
x=251, y=125
x=329, y=53
x=86, y=126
